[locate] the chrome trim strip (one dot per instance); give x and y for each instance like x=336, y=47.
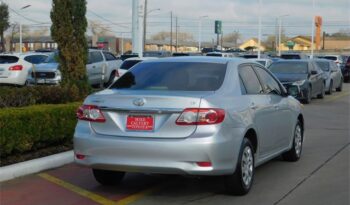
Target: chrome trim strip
x=144, y=110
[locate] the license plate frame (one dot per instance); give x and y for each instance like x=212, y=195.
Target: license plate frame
x=140, y=123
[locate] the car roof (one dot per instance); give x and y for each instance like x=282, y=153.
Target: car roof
x=24, y=54
x=203, y=59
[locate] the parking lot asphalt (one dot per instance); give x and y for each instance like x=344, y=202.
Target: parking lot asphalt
x=320, y=177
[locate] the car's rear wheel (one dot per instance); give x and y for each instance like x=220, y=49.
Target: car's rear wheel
x=294, y=154
x=340, y=88
x=241, y=181
x=330, y=90
x=322, y=94
x=108, y=178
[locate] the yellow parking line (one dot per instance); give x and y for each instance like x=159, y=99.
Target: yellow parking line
x=82, y=192
x=132, y=198
x=337, y=97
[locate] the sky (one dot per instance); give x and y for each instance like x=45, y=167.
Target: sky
x=237, y=15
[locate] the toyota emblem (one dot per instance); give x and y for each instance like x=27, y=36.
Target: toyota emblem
x=139, y=101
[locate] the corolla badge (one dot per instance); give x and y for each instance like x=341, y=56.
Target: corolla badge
x=139, y=101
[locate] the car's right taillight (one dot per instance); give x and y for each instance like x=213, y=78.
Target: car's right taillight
x=16, y=68
x=201, y=116
x=90, y=113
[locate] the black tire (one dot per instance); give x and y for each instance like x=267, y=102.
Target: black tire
x=340, y=88
x=308, y=96
x=108, y=178
x=322, y=94
x=294, y=154
x=235, y=184
x=330, y=90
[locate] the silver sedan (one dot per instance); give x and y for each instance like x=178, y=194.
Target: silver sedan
x=189, y=115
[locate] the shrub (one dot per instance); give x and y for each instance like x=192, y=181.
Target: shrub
x=35, y=127
x=26, y=96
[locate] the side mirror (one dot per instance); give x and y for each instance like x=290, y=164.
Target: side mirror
x=314, y=72
x=293, y=90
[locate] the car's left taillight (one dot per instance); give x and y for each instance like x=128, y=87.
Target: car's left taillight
x=201, y=116
x=16, y=68
x=90, y=113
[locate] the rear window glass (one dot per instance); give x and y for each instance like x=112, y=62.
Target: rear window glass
x=8, y=59
x=290, y=56
x=289, y=67
x=323, y=65
x=333, y=58
x=35, y=59
x=173, y=76
x=250, y=56
x=126, y=65
x=215, y=54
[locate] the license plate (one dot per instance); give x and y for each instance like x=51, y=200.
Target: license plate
x=40, y=81
x=140, y=123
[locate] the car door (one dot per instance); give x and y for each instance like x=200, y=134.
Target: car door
x=260, y=109
x=112, y=63
x=315, y=79
x=281, y=115
x=336, y=74
x=94, y=67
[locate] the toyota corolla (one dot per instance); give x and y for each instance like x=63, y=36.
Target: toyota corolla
x=189, y=115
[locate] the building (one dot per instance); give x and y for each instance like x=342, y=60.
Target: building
x=252, y=45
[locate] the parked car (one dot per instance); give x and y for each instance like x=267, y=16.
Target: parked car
x=302, y=73
x=14, y=67
x=253, y=56
x=340, y=60
x=130, y=62
x=264, y=61
x=332, y=75
x=186, y=54
x=102, y=67
x=176, y=116
x=346, y=71
x=289, y=56
x=157, y=54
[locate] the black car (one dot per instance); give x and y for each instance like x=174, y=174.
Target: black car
x=302, y=73
x=289, y=56
x=346, y=70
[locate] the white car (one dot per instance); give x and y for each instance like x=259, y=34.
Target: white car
x=14, y=67
x=130, y=62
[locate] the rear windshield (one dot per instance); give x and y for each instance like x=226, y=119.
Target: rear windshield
x=323, y=65
x=290, y=56
x=8, y=59
x=289, y=67
x=52, y=58
x=215, y=54
x=250, y=56
x=173, y=76
x=126, y=65
x=35, y=59
x=333, y=58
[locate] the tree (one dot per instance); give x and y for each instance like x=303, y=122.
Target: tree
x=232, y=38
x=165, y=36
x=68, y=30
x=4, y=23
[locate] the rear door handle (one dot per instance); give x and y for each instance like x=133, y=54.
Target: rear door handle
x=276, y=107
x=253, y=106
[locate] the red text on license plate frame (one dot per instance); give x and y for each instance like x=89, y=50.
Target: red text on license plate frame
x=140, y=123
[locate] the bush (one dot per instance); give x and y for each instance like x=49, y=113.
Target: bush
x=35, y=127
x=26, y=96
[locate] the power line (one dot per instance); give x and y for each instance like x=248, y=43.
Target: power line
x=103, y=18
x=29, y=19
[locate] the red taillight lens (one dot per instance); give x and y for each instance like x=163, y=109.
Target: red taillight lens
x=90, y=113
x=16, y=68
x=204, y=164
x=80, y=156
x=201, y=116
x=117, y=74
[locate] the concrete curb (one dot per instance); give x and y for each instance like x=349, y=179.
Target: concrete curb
x=35, y=165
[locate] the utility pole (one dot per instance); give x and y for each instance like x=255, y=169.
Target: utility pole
x=323, y=40
x=176, y=34
x=171, y=32
x=279, y=35
x=144, y=26
x=259, y=32
x=276, y=36
x=313, y=30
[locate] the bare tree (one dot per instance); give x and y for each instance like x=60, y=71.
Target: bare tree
x=99, y=29
x=233, y=37
x=164, y=36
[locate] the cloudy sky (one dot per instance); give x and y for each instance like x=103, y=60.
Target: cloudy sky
x=241, y=15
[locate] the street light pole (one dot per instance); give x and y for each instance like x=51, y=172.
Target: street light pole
x=200, y=32
x=259, y=32
x=20, y=31
x=145, y=24
x=280, y=33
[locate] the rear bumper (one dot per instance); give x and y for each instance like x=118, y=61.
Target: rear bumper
x=15, y=78
x=165, y=156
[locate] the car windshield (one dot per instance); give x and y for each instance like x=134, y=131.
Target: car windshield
x=290, y=56
x=323, y=65
x=289, y=67
x=8, y=59
x=333, y=58
x=52, y=58
x=173, y=76
x=126, y=65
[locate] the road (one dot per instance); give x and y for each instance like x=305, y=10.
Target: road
x=321, y=176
